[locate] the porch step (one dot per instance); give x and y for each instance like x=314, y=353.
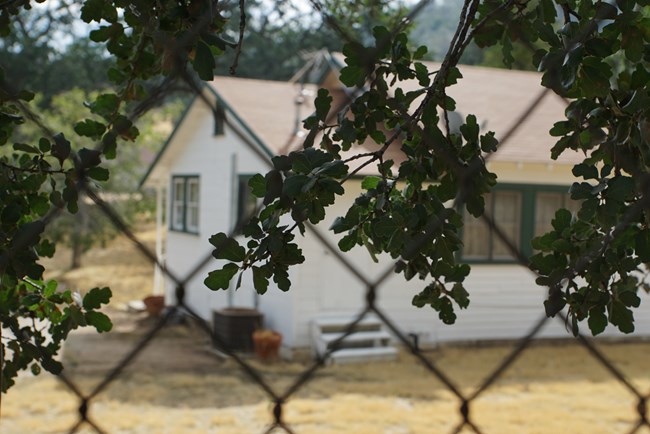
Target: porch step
x=369, y=336
x=359, y=355
x=368, y=340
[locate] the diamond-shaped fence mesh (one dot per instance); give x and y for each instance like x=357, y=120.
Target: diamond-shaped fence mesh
x=464, y=398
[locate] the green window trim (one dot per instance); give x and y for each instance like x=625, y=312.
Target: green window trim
x=219, y=120
x=246, y=202
x=185, y=204
x=527, y=219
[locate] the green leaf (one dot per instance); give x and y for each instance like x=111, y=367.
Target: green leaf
x=489, y=143
x=470, y=129
x=586, y=171
x=273, y=186
x=420, y=52
x=309, y=139
x=203, y=62
x=90, y=128
x=89, y=157
x=260, y=279
x=227, y=248
x=52, y=366
x=220, y=279
x=96, y=297
x=35, y=369
x=352, y=76
x=597, y=320
x=44, y=144
x=620, y=187
x=548, y=12
x=50, y=288
x=105, y=105
x=293, y=185
x=28, y=234
x=257, y=185
x=98, y=173
x=281, y=278
x=422, y=74
x=621, y=316
x=322, y=103
x=346, y=131
x=460, y=295
x=92, y=10
x=61, y=148
x=642, y=246
x=629, y=298
x=348, y=242
x=385, y=227
x=580, y=191
x=100, y=321
x=562, y=220
x=26, y=148
x=370, y=182
x=453, y=76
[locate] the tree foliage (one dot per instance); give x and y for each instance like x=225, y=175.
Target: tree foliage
x=594, y=53
x=593, y=263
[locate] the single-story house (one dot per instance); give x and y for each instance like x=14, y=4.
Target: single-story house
x=235, y=127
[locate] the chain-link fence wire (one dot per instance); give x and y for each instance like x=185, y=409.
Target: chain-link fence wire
x=461, y=39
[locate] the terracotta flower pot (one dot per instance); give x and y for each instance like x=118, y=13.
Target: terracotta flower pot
x=267, y=344
x=154, y=304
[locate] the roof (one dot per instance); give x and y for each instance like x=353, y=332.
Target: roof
x=268, y=112
x=499, y=97
x=268, y=108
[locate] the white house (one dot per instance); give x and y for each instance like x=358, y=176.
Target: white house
x=232, y=130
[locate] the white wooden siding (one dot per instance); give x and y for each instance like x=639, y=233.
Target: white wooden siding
x=505, y=302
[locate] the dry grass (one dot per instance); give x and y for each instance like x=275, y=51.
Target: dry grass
x=128, y=273
x=176, y=385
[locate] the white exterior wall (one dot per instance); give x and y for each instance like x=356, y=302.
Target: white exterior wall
x=211, y=158
x=505, y=301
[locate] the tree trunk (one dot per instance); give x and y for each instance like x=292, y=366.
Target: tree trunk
x=79, y=231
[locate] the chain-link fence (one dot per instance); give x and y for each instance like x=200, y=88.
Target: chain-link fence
x=373, y=288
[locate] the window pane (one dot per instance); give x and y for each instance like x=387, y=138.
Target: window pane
x=193, y=190
x=192, y=211
x=507, y=215
x=178, y=198
x=546, y=204
x=476, y=236
x=179, y=189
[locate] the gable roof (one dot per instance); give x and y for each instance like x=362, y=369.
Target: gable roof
x=499, y=98
x=511, y=103
x=272, y=110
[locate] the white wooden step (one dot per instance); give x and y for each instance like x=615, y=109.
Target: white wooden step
x=352, y=355
x=336, y=321
x=371, y=336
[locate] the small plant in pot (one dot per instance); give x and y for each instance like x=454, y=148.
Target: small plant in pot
x=154, y=304
x=267, y=344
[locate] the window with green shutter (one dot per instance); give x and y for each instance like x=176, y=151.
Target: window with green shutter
x=522, y=212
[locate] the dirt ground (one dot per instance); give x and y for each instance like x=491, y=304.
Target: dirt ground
x=177, y=384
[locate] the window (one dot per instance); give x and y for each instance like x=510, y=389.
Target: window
x=246, y=202
x=546, y=204
x=480, y=242
x=522, y=212
x=219, y=120
x=185, y=204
